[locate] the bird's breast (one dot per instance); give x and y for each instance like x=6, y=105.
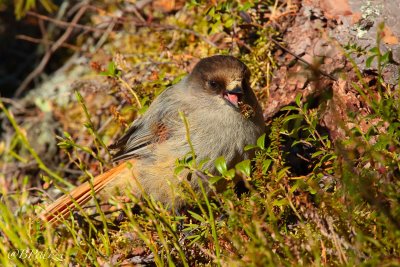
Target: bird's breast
x=221, y=132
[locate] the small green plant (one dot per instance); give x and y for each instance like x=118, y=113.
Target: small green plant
x=21, y=7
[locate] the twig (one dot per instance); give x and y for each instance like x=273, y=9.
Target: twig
x=72, y=25
x=139, y=24
x=293, y=54
x=49, y=53
x=135, y=10
x=66, y=24
x=105, y=35
x=142, y=3
x=46, y=43
x=302, y=60
x=12, y=102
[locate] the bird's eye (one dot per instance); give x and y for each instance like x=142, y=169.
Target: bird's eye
x=213, y=84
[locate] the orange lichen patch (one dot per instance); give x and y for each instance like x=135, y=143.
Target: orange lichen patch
x=335, y=8
x=161, y=131
x=388, y=36
x=356, y=17
x=168, y=6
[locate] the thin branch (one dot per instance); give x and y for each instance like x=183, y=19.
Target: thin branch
x=65, y=24
x=12, y=102
x=73, y=25
x=46, y=43
x=302, y=60
x=49, y=53
x=138, y=24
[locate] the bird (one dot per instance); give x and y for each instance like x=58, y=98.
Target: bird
x=222, y=116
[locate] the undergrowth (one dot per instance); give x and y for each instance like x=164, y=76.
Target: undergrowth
x=303, y=200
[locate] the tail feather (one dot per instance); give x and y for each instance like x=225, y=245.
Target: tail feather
x=60, y=209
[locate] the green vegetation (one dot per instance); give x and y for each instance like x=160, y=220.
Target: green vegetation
x=336, y=204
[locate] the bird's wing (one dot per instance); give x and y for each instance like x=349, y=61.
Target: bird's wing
x=154, y=127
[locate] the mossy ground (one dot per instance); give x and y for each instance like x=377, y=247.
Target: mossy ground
x=310, y=199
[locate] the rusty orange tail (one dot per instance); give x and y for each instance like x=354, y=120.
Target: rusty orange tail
x=59, y=209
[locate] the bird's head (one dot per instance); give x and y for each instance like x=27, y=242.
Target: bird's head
x=226, y=77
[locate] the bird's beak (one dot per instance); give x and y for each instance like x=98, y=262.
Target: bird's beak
x=233, y=93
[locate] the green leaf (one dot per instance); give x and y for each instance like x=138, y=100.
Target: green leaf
x=261, y=141
x=374, y=50
x=369, y=60
x=111, y=71
x=195, y=239
x=298, y=99
x=249, y=147
x=88, y=125
x=246, y=6
x=230, y=174
x=289, y=108
x=197, y=216
x=244, y=167
x=316, y=154
x=64, y=144
x=386, y=57
x=78, y=96
x=214, y=179
x=211, y=12
x=292, y=117
x=179, y=169
x=282, y=173
x=67, y=135
x=202, y=162
x=296, y=186
x=111, y=68
x=48, y=5
x=266, y=164
x=328, y=157
x=280, y=202
x=220, y=164
x=228, y=23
